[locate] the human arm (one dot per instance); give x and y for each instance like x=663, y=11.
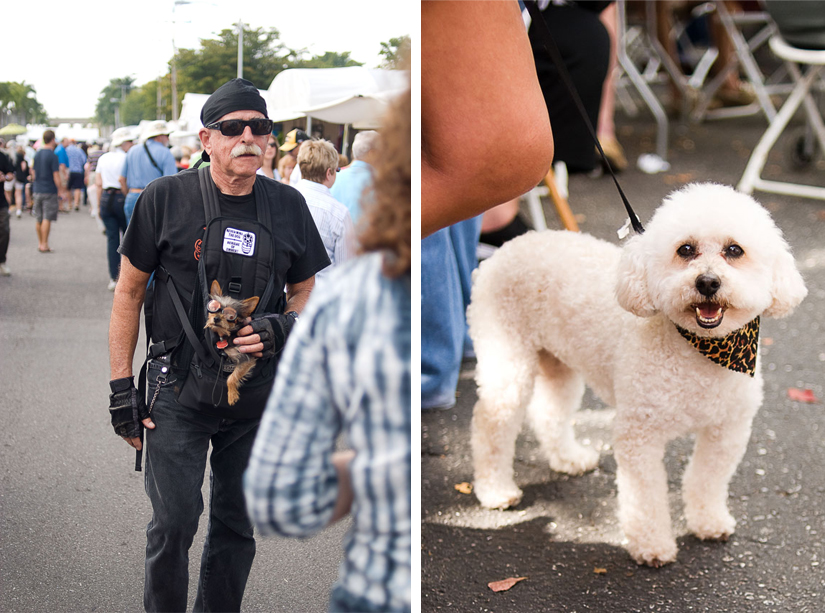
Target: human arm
x=99, y=182
x=123, y=187
x=485, y=129
x=124, y=327
x=59, y=183
x=343, y=503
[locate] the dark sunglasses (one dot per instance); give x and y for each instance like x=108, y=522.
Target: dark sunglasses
x=213, y=306
x=235, y=127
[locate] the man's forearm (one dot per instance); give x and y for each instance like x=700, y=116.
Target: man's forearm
x=297, y=294
x=343, y=503
x=123, y=187
x=124, y=328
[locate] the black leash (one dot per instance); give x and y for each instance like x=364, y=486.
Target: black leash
x=555, y=55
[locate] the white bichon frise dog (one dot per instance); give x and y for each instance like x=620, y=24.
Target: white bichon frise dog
x=664, y=329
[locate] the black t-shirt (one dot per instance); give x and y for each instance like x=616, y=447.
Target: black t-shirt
x=5, y=167
x=21, y=169
x=167, y=228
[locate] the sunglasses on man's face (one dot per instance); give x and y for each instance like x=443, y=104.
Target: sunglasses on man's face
x=235, y=127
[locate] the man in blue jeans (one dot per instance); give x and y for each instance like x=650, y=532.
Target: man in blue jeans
x=448, y=258
x=146, y=162
x=107, y=180
x=167, y=231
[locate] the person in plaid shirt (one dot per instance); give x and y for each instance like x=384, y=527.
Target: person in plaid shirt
x=346, y=370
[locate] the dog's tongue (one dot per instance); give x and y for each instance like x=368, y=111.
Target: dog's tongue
x=708, y=310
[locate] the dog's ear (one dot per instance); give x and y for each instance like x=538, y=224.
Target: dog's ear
x=631, y=286
x=788, y=288
x=216, y=288
x=248, y=305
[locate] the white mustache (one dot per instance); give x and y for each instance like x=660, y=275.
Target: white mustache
x=246, y=150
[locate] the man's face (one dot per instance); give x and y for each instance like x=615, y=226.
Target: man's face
x=239, y=156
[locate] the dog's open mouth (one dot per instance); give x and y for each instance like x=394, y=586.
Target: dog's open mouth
x=709, y=314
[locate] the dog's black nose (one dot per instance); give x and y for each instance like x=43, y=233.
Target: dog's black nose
x=708, y=284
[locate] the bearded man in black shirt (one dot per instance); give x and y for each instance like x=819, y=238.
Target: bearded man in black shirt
x=166, y=236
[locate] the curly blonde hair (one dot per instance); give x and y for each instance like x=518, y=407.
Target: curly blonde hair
x=388, y=219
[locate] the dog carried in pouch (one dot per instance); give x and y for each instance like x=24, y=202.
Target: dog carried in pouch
x=665, y=329
x=225, y=317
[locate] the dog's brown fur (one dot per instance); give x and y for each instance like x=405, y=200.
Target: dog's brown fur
x=228, y=331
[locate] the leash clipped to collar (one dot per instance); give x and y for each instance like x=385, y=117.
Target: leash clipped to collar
x=549, y=44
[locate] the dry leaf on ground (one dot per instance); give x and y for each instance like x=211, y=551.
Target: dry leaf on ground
x=464, y=488
x=802, y=395
x=504, y=584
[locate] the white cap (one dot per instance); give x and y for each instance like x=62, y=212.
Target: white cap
x=120, y=136
x=156, y=128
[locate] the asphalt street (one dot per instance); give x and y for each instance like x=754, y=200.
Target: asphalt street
x=73, y=511
x=563, y=538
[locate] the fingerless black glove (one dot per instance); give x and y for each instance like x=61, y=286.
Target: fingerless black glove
x=126, y=407
x=273, y=329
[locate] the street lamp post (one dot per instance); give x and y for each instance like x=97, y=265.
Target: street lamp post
x=240, y=48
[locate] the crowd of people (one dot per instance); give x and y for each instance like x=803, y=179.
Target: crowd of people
x=111, y=190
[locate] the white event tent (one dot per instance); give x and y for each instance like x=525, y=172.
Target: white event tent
x=355, y=95
x=352, y=96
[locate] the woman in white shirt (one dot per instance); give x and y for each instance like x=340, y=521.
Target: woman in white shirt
x=271, y=157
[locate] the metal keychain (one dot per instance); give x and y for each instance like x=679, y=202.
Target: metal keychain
x=161, y=379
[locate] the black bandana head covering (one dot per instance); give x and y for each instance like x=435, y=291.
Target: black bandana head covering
x=234, y=95
x=736, y=351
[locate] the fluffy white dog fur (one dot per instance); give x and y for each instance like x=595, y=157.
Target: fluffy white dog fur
x=553, y=311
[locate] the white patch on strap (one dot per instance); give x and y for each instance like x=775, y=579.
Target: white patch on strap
x=239, y=241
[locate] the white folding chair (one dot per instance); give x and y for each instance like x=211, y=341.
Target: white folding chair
x=814, y=60
x=743, y=55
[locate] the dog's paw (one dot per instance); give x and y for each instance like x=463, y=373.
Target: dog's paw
x=497, y=497
x=574, y=460
x=709, y=527
x=649, y=553
x=232, y=395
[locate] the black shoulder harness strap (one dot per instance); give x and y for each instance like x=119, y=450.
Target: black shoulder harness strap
x=151, y=159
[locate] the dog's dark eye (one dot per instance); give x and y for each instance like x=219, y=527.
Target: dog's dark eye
x=686, y=251
x=734, y=251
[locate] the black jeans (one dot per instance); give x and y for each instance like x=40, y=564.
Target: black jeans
x=5, y=232
x=176, y=452
x=114, y=219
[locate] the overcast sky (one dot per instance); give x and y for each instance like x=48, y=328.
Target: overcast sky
x=70, y=51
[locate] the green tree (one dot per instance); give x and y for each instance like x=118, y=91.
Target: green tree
x=110, y=98
x=205, y=69
x=330, y=59
x=395, y=52
x=18, y=104
x=142, y=102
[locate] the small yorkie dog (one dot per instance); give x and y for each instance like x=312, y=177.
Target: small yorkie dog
x=226, y=316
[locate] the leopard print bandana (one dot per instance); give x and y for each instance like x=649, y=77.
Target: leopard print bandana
x=736, y=351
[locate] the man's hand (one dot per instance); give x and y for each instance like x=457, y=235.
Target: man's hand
x=128, y=411
x=265, y=336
